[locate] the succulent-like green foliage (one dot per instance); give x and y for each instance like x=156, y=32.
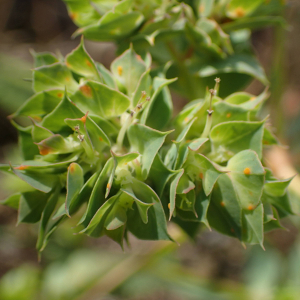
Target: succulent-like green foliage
x=103, y=143
x=201, y=38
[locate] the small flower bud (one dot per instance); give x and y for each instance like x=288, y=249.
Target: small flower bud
x=80, y=137
x=143, y=94
x=213, y=92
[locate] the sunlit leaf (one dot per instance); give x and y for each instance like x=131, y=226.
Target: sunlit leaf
x=236, y=136
x=81, y=63
x=55, y=76
x=128, y=69
x=99, y=99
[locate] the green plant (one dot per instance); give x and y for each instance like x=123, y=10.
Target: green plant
x=200, y=38
x=103, y=143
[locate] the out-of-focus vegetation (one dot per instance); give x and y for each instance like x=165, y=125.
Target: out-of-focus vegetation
x=77, y=267
x=92, y=274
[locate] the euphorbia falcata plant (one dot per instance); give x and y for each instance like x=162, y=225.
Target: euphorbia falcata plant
x=105, y=143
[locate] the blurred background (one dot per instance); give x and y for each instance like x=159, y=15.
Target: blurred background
x=79, y=267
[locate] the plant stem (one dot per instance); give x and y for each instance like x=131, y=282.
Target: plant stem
x=123, y=130
x=208, y=123
x=129, y=120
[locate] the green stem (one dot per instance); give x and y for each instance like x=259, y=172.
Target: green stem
x=207, y=127
x=123, y=130
x=208, y=124
x=129, y=120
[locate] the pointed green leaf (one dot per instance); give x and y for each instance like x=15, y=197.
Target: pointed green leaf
x=99, y=99
x=281, y=203
x=108, y=127
x=43, y=59
x=106, y=76
x=255, y=22
x=55, y=121
x=97, y=197
x=31, y=206
x=41, y=182
x=268, y=210
x=160, y=175
x=112, y=26
x=50, y=231
x=12, y=201
x=57, y=144
x=238, y=9
x=224, y=112
x=118, y=235
x=171, y=157
x=274, y=223
x=46, y=215
x=160, y=110
x=248, y=101
x=116, y=218
x=146, y=141
x=200, y=167
x=28, y=148
x=185, y=185
x=83, y=13
x=269, y=139
x=143, y=85
x=248, y=176
x=277, y=188
x=156, y=227
x=205, y=7
x=75, y=182
x=143, y=209
x=215, y=32
x=40, y=104
x=80, y=62
x=186, y=203
x=119, y=161
x=46, y=167
x=224, y=212
x=236, y=136
x=185, y=148
x=160, y=99
x=173, y=189
x=253, y=229
x=195, y=144
x=125, y=158
x=40, y=133
x=82, y=197
x=96, y=226
x=199, y=212
x=92, y=133
x=128, y=69
x=200, y=39
x=238, y=63
x=55, y=76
